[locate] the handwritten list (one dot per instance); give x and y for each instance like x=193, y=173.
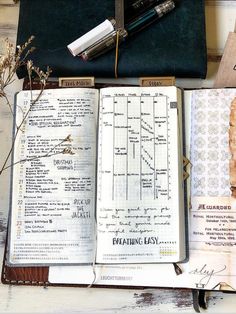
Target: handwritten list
x=54, y=200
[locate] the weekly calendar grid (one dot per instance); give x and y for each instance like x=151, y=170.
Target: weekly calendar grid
x=138, y=178
x=135, y=134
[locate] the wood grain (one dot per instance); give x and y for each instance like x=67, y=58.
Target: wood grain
x=8, y=20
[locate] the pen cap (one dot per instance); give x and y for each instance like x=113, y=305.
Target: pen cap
x=88, y=39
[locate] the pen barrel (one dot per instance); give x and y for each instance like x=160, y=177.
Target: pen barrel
x=150, y=16
x=142, y=21
x=138, y=7
x=104, y=45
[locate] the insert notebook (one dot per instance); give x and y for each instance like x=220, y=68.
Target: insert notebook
x=115, y=194
x=175, y=45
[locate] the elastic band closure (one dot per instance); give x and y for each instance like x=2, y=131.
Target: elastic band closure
x=117, y=53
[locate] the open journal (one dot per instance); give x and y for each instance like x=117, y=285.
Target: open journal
x=98, y=177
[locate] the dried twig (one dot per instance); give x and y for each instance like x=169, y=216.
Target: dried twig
x=50, y=153
x=10, y=62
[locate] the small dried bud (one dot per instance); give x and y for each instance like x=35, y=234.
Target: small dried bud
x=2, y=94
x=68, y=151
x=29, y=67
x=68, y=138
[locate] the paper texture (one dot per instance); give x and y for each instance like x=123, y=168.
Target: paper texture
x=139, y=186
x=210, y=152
x=232, y=146
x=216, y=271
x=212, y=224
x=52, y=217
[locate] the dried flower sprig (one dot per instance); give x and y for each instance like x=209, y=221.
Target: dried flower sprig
x=52, y=152
x=10, y=62
x=35, y=71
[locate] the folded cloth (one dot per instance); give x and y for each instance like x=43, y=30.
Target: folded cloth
x=175, y=45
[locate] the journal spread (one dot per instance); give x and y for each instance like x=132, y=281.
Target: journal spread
x=209, y=128
x=98, y=178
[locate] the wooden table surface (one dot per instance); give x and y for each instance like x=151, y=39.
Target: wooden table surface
x=220, y=19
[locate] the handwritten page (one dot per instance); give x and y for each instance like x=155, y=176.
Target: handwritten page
x=139, y=191
x=53, y=203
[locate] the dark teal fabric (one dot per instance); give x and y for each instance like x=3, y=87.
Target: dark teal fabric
x=174, y=45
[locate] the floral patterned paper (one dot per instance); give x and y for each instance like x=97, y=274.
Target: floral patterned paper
x=210, y=152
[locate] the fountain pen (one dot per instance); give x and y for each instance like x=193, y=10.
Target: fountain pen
x=109, y=42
